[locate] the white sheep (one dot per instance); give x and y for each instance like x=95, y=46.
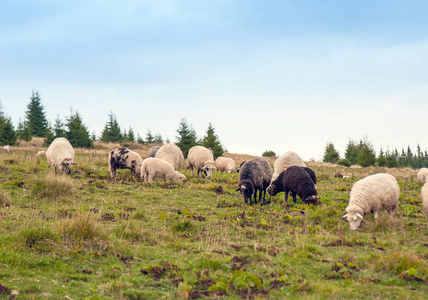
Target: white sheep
x=424, y=196
x=123, y=158
x=286, y=160
x=171, y=153
x=153, y=150
x=202, y=159
x=225, y=164
x=39, y=155
x=6, y=148
x=373, y=193
x=60, y=154
x=157, y=168
x=422, y=174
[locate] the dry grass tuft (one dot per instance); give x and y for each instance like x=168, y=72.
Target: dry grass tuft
x=398, y=262
x=52, y=187
x=82, y=226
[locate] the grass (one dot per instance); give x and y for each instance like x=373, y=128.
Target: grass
x=86, y=236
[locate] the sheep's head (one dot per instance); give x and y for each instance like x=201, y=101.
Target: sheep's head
x=246, y=191
x=208, y=170
x=180, y=178
x=355, y=220
x=272, y=190
x=231, y=171
x=66, y=166
x=311, y=200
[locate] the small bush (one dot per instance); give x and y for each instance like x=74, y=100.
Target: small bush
x=269, y=153
x=52, y=187
x=344, y=162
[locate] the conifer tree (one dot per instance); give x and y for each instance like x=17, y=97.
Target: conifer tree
x=330, y=155
x=77, y=133
x=131, y=135
x=212, y=142
x=7, y=131
x=158, y=139
x=186, y=138
x=35, y=116
x=149, y=137
x=111, y=131
x=23, y=131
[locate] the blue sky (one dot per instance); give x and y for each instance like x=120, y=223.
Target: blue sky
x=269, y=75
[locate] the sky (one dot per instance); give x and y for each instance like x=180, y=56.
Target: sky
x=268, y=75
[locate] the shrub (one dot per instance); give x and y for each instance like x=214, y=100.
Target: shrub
x=269, y=153
x=344, y=162
x=52, y=187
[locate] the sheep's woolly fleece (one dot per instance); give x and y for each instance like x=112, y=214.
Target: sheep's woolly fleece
x=60, y=154
x=202, y=159
x=422, y=174
x=123, y=158
x=157, y=168
x=225, y=164
x=374, y=193
x=286, y=160
x=424, y=196
x=171, y=153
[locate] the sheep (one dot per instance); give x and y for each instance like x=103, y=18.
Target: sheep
x=60, y=155
x=202, y=159
x=297, y=181
x=225, y=164
x=6, y=148
x=286, y=160
x=157, y=168
x=240, y=166
x=255, y=175
x=311, y=174
x=422, y=175
x=153, y=150
x=122, y=158
x=39, y=155
x=171, y=153
x=424, y=196
x=373, y=193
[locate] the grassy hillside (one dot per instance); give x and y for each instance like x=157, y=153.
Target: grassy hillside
x=86, y=236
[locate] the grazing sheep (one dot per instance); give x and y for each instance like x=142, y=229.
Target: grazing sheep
x=422, y=174
x=297, y=181
x=6, y=148
x=225, y=164
x=123, y=158
x=202, y=159
x=311, y=174
x=60, y=155
x=157, y=168
x=373, y=193
x=153, y=150
x=338, y=175
x=39, y=156
x=424, y=196
x=171, y=153
x=286, y=160
x=255, y=175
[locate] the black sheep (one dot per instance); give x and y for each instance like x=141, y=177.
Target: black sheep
x=296, y=181
x=311, y=174
x=255, y=175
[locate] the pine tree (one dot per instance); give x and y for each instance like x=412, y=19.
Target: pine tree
x=77, y=133
x=158, y=139
x=366, y=155
x=381, y=160
x=330, y=155
x=7, y=131
x=351, y=152
x=23, y=131
x=111, y=131
x=131, y=135
x=212, y=142
x=186, y=138
x=35, y=116
x=149, y=137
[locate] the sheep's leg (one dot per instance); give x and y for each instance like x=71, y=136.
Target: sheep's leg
x=286, y=196
x=294, y=197
x=376, y=214
x=150, y=178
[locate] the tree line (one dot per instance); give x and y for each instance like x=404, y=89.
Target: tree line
x=73, y=128
x=363, y=154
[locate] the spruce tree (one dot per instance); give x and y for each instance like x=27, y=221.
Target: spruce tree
x=149, y=137
x=23, y=131
x=330, y=155
x=158, y=139
x=212, y=142
x=77, y=133
x=186, y=138
x=7, y=131
x=111, y=131
x=131, y=135
x=35, y=116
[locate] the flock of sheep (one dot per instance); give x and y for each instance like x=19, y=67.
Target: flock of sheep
x=374, y=193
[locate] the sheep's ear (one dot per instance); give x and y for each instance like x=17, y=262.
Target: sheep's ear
x=319, y=198
x=238, y=190
x=360, y=216
x=345, y=216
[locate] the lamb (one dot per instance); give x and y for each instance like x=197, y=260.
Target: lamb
x=157, y=168
x=286, y=160
x=422, y=175
x=255, y=175
x=373, y=193
x=123, y=158
x=60, y=155
x=6, y=148
x=297, y=181
x=153, y=150
x=424, y=196
x=202, y=159
x=39, y=155
x=171, y=153
x=225, y=164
